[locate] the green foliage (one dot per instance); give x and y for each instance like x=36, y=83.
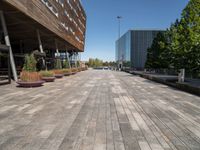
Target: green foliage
x=78, y=63
x=106, y=63
x=30, y=63
x=180, y=48
x=98, y=63
x=66, y=64
x=127, y=64
x=46, y=74
x=95, y=62
x=66, y=70
x=74, y=69
x=156, y=53
x=189, y=36
x=58, y=64
x=112, y=64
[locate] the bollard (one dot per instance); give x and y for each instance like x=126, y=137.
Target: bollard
x=181, y=76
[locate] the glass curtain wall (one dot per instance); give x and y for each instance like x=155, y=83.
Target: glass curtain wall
x=123, y=50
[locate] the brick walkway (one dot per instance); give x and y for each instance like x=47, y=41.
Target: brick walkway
x=99, y=110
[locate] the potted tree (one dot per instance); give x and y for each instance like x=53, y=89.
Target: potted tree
x=47, y=76
x=78, y=66
x=66, y=70
x=29, y=77
x=58, y=69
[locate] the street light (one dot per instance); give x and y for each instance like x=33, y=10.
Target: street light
x=119, y=32
x=119, y=23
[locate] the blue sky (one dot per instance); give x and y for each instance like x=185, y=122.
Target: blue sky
x=102, y=25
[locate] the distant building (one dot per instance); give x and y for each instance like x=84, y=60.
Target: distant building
x=131, y=48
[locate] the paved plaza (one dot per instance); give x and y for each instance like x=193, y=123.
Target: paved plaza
x=99, y=110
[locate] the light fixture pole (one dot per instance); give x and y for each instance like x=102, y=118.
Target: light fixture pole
x=119, y=34
x=119, y=25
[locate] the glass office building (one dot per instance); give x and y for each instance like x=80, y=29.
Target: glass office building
x=131, y=48
x=123, y=49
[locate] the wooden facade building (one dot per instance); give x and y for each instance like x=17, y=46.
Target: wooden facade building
x=46, y=25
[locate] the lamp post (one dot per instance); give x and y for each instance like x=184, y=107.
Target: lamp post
x=119, y=34
x=119, y=25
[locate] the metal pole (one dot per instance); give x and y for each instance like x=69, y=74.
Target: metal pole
x=57, y=51
x=119, y=32
x=119, y=25
x=7, y=40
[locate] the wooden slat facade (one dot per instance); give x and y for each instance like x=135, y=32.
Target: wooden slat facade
x=63, y=19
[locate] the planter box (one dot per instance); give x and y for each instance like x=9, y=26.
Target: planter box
x=48, y=79
x=189, y=88
x=30, y=84
x=73, y=73
x=59, y=76
x=67, y=74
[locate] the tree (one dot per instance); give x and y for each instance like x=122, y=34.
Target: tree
x=95, y=62
x=106, y=63
x=91, y=62
x=65, y=64
x=190, y=36
x=98, y=63
x=58, y=64
x=155, y=54
x=180, y=45
x=30, y=63
x=184, y=39
x=173, y=46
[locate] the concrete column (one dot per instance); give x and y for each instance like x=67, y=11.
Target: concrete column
x=40, y=42
x=67, y=54
x=75, y=59
x=7, y=40
x=41, y=48
x=56, y=44
x=57, y=51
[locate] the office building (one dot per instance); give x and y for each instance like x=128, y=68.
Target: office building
x=131, y=48
x=50, y=26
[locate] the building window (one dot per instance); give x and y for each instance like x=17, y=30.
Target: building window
x=61, y=2
x=51, y=7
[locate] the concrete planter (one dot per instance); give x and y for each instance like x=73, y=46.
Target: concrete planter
x=59, y=76
x=48, y=79
x=188, y=88
x=67, y=74
x=30, y=84
x=73, y=73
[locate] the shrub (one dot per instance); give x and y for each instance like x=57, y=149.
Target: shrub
x=30, y=63
x=29, y=73
x=74, y=69
x=78, y=63
x=66, y=70
x=58, y=71
x=66, y=64
x=58, y=64
x=46, y=73
x=79, y=69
